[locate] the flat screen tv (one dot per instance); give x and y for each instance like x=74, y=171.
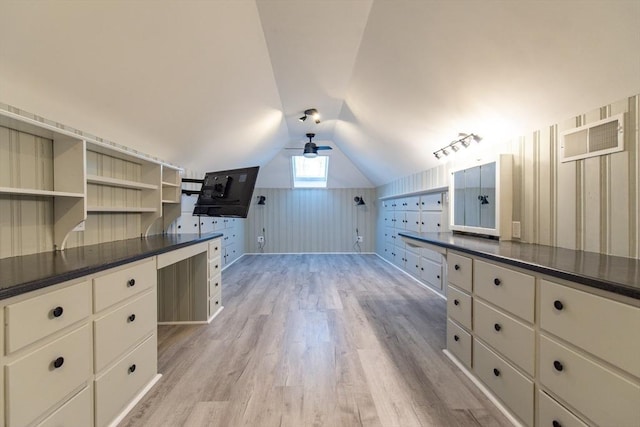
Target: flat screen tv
x=227, y=193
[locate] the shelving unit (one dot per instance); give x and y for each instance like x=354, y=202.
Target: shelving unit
x=171, y=194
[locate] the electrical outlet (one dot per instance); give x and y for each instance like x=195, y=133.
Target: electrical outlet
x=359, y=239
x=260, y=239
x=515, y=229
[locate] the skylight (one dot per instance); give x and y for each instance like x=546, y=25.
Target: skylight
x=310, y=172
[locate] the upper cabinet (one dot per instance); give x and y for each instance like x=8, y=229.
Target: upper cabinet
x=482, y=198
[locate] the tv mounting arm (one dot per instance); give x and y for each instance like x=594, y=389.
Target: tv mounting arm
x=193, y=181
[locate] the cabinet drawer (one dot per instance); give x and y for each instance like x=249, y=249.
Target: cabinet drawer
x=120, y=284
x=34, y=384
x=215, y=284
x=459, y=306
x=215, y=302
x=551, y=413
x=35, y=318
x=123, y=328
x=511, y=338
x=116, y=387
x=513, y=388
x=412, y=203
x=412, y=221
x=430, y=222
x=75, y=413
x=459, y=343
x=214, y=267
x=431, y=272
x=510, y=290
x=214, y=248
x=459, y=271
x=431, y=202
x=603, y=327
x=600, y=394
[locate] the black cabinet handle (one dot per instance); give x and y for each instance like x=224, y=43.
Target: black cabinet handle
x=497, y=327
x=555, y=423
x=58, y=362
x=558, y=365
x=439, y=202
x=132, y=317
x=558, y=305
x=438, y=224
x=417, y=266
x=57, y=312
x=217, y=284
x=132, y=368
x=496, y=372
x=456, y=302
x=131, y=282
x=217, y=302
x=457, y=267
x=438, y=276
x=456, y=338
x=496, y=281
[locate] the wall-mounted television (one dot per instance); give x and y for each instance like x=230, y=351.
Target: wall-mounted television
x=227, y=193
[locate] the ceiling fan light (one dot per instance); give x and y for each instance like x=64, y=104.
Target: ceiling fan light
x=310, y=154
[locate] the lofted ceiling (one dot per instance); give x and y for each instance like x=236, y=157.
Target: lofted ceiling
x=220, y=84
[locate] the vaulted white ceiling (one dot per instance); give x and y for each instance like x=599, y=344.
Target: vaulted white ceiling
x=220, y=84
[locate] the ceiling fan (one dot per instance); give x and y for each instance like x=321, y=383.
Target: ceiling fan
x=310, y=148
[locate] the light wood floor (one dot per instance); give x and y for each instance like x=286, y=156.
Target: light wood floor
x=314, y=340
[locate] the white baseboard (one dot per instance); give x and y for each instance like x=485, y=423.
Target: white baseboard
x=135, y=401
x=310, y=253
x=411, y=277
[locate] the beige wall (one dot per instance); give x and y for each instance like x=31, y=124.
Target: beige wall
x=590, y=204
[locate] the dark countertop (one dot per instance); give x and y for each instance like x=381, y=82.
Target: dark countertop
x=26, y=273
x=610, y=273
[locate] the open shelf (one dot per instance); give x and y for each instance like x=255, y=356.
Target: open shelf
x=35, y=192
x=121, y=183
x=119, y=209
x=170, y=184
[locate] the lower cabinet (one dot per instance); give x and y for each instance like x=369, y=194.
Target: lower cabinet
x=76, y=412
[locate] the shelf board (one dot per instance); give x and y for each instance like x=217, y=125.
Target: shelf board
x=119, y=209
x=170, y=184
x=34, y=192
x=171, y=201
x=122, y=183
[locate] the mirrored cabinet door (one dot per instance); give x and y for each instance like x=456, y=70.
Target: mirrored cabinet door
x=472, y=192
x=458, y=197
x=487, y=196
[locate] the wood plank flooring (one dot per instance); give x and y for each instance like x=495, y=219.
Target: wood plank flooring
x=314, y=340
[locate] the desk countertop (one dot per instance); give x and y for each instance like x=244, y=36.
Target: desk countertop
x=610, y=273
x=26, y=273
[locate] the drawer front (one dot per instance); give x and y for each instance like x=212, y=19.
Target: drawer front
x=513, y=388
x=120, y=284
x=35, y=318
x=603, y=327
x=431, y=272
x=459, y=343
x=431, y=202
x=412, y=203
x=215, y=265
x=510, y=290
x=399, y=220
x=551, y=413
x=459, y=306
x=412, y=221
x=214, y=248
x=511, y=338
x=430, y=222
x=215, y=285
x=123, y=328
x=215, y=302
x=600, y=394
x=388, y=235
x=116, y=387
x=34, y=384
x=413, y=263
x=459, y=271
x=399, y=257
x=432, y=255
x=75, y=413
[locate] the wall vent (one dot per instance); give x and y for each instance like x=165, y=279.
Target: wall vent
x=595, y=139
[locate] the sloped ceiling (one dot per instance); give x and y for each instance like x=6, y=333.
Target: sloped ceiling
x=220, y=84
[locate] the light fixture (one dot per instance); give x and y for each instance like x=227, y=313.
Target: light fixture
x=464, y=139
x=359, y=200
x=310, y=112
x=261, y=200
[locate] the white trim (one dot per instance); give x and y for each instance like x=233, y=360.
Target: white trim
x=416, y=193
x=135, y=401
x=215, y=314
x=415, y=279
x=311, y=253
x=232, y=262
x=498, y=404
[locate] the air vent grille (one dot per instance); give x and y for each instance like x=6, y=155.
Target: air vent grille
x=594, y=139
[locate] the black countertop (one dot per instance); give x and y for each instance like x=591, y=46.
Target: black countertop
x=30, y=272
x=610, y=273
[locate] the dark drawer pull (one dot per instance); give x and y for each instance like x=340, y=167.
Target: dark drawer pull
x=457, y=267
x=57, y=312
x=558, y=305
x=217, y=302
x=58, y=362
x=556, y=423
x=558, y=366
x=217, y=284
x=496, y=281
x=496, y=372
x=132, y=368
x=438, y=276
x=131, y=282
x=439, y=202
x=497, y=327
x=132, y=318
x=456, y=338
x=456, y=302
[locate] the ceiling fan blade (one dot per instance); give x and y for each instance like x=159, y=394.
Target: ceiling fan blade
x=324, y=147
